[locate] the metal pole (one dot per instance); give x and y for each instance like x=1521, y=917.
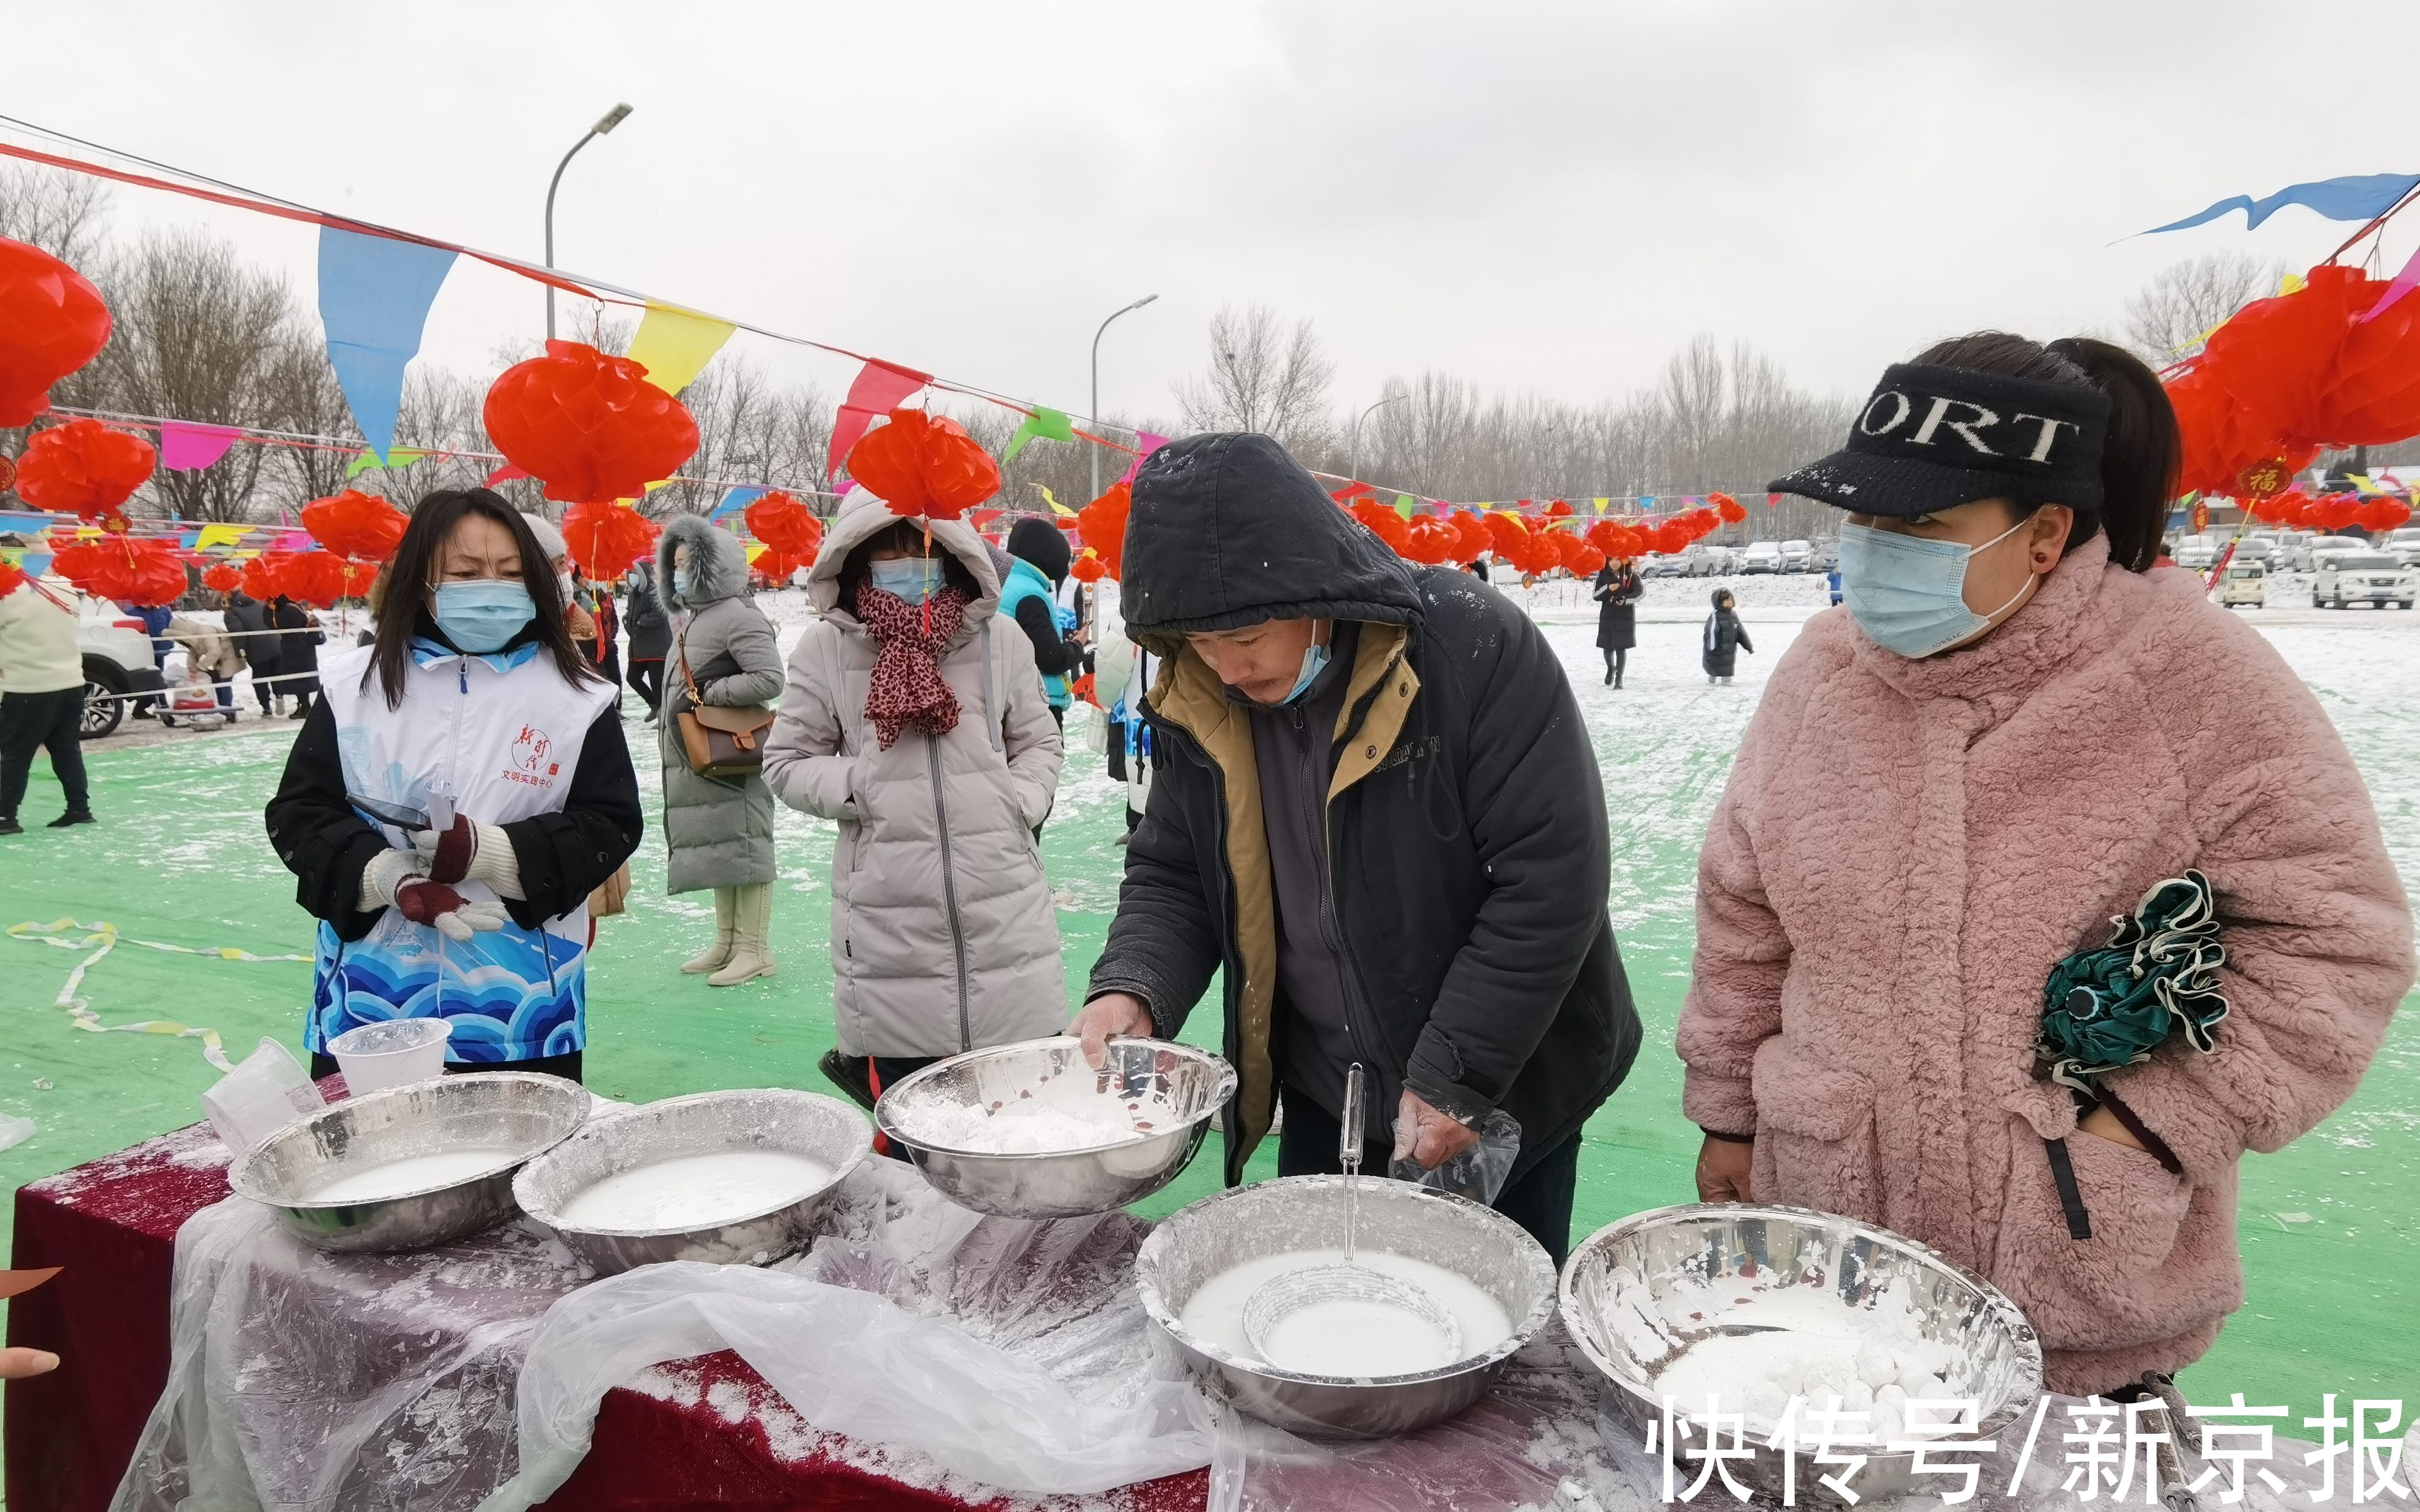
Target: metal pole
x=604, y=124
x=1396, y=398
x=1095, y=413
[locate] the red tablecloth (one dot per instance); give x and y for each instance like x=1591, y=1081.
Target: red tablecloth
x=707, y=1431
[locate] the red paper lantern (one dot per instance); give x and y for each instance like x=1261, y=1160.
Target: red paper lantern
x=1382, y=522
x=1089, y=567
x=1103, y=525
x=260, y=575
x=590, y=428
x=223, y=578
x=314, y=578
x=83, y=466
x=1731, y=511
x=2334, y=511
x=604, y=538
x=1471, y=537
x=52, y=322
x=1506, y=536
x=358, y=578
x=923, y=464
x=789, y=527
x=133, y=574
x=13, y=578
x=1559, y=509
x=1588, y=563
x=355, y=524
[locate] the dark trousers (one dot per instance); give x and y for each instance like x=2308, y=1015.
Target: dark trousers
x=1614, y=659
x=1539, y=1199
x=262, y=688
x=863, y=1078
x=565, y=1066
x=647, y=681
x=43, y=722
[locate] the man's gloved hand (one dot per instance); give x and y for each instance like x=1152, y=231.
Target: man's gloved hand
x=471, y=852
x=388, y=870
x=448, y=912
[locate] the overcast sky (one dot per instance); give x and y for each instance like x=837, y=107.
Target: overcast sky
x=1535, y=196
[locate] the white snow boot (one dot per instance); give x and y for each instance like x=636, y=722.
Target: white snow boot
x=717, y=955
x=751, y=957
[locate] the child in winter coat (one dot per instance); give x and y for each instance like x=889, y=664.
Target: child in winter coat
x=1725, y=638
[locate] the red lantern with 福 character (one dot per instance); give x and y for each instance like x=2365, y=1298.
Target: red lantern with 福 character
x=52, y=322
x=924, y=464
x=84, y=468
x=355, y=524
x=589, y=427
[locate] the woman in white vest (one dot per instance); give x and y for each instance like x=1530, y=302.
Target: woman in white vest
x=449, y=805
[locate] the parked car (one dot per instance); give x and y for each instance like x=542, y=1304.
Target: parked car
x=116, y=654
x=1798, y=556
x=1762, y=556
x=2196, y=551
x=2403, y=545
x=2306, y=557
x=2247, y=582
x=2371, y=578
x=1722, y=561
x=1827, y=554
x=2252, y=548
x=1659, y=565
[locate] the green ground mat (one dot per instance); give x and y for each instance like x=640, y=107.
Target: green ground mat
x=180, y=857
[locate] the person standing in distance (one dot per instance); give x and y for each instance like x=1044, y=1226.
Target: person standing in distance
x=1377, y=809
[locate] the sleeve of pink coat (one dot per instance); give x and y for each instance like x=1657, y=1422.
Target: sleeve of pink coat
x=2317, y=928
x=1734, y=1002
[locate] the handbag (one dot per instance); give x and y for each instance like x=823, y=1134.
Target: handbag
x=717, y=741
x=611, y=895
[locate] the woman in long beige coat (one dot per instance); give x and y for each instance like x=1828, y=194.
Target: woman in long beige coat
x=914, y=716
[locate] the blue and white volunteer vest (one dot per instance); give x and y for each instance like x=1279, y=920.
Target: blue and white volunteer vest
x=506, y=730
x=1026, y=580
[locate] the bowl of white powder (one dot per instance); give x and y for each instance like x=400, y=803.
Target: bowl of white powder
x=733, y=1178
x=409, y=1166
x=1348, y=1373
x=1735, y=1312
x=1030, y=1130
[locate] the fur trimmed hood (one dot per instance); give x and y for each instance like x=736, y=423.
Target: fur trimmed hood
x=718, y=564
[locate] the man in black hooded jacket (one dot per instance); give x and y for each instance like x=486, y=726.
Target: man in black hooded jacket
x=1378, y=811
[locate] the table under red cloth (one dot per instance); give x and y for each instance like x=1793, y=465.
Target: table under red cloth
x=698, y=1432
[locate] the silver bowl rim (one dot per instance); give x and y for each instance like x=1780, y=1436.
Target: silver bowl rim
x=2028, y=1342
x=884, y=1108
x=1541, y=1269
x=240, y=1173
x=859, y=1151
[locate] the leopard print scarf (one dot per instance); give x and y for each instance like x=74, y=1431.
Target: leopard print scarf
x=908, y=687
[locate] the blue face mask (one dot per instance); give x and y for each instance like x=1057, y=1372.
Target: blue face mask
x=1314, y=660
x=481, y=615
x=1909, y=594
x=912, y=580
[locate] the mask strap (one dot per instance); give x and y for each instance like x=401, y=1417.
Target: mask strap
x=2033, y=579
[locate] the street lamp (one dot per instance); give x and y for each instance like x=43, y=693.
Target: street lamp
x=1365, y=414
x=1096, y=383
x=604, y=124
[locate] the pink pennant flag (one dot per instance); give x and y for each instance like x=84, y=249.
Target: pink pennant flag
x=505, y=474
x=1145, y=443
x=1443, y=509
x=2405, y=282
x=186, y=447
x=878, y=390
x=293, y=541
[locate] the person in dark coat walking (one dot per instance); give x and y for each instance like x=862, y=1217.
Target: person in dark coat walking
x=1377, y=808
x=1617, y=591
x=1725, y=638
x=248, y=626
x=298, y=653
x=651, y=638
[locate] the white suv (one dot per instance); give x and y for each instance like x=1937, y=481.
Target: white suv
x=116, y=660
x=2374, y=579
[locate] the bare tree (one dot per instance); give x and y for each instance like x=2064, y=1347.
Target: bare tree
x=2168, y=318
x=65, y=214
x=1262, y=376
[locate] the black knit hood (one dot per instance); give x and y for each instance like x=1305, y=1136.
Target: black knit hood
x=1228, y=531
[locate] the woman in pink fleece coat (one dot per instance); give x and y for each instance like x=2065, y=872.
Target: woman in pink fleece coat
x=2015, y=732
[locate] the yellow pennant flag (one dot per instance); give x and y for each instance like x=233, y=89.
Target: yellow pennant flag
x=218, y=536
x=755, y=549
x=1600, y=505
x=674, y=345
x=1055, y=506
x=2292, y=284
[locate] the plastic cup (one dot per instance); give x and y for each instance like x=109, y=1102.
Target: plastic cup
x=391, y=1053
x=262, y=1095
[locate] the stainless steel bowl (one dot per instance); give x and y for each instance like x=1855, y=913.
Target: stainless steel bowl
x=801, y=1123
x=517, y=1110
x=1194, y=1084
x=1634, y=1296
x=1299, y=1212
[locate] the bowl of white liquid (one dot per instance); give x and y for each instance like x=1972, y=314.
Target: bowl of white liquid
x=1344, y=1371
x=727, y=1177
x=409, y=1166
x=1030, y=1130
x=1760, y=1305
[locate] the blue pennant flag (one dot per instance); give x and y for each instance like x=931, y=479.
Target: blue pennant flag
x=2358, y=197
x=737, y=498
x=374, y=298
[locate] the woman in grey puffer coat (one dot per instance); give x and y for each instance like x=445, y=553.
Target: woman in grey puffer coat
x=718, y=831
x=943, y=934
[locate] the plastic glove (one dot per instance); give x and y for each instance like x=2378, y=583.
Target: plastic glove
x=471, y=852
x=388, y=870
x=448, y=912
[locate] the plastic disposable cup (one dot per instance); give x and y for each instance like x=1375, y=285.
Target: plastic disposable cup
x=262, y=1095
x=391, y=1053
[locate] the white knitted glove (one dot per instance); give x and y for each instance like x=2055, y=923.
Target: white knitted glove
x=471, y=852
x=387, y=870
x=438, y=906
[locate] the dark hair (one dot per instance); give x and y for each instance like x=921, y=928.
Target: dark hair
x=2140, y=460
x=410, y=580
x=908, y=537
